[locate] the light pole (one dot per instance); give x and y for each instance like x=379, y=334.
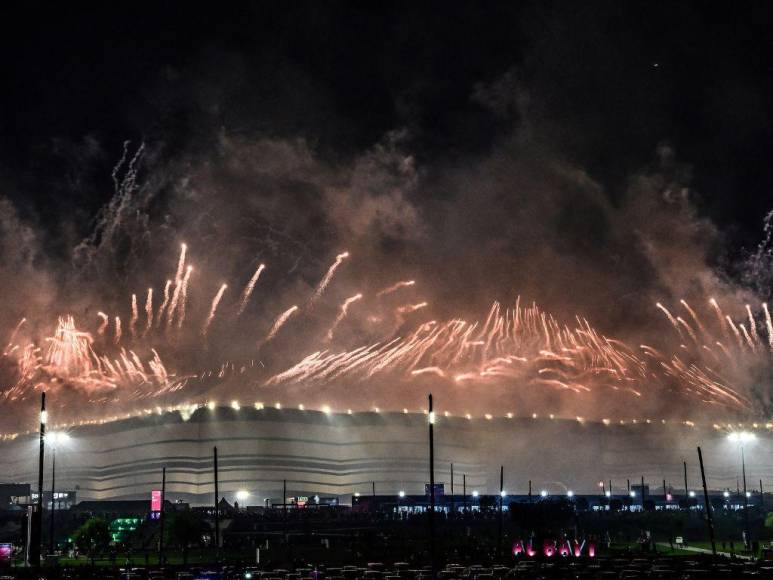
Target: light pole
x=56, y=439
x=741, y=438
x=431, y=425
x=33, y=550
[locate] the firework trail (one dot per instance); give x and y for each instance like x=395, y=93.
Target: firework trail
x=105, y=321
x=213, y=309
x=670, y=317
x=180, y=263
x=752, y=325
x=178, y=283
x=279, y=323
x=342, y=314
x=323, y=284
x=395, y=287
x=249, y=288
x=720, y=316
x=184, y=297
x=164, y=304
x=768, y=325
x=118, y=331
x=13, y=335
x=135, y=316
x=148, y=312
x=694, y=316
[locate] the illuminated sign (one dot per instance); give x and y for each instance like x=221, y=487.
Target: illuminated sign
x=6, y=551
x=155, y=500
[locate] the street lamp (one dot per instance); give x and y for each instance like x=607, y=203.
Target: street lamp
x=55, y=439
x=741, y=438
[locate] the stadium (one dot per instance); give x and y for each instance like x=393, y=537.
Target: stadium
x=342, y=454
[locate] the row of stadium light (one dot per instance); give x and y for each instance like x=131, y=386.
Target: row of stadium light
x=187, y=409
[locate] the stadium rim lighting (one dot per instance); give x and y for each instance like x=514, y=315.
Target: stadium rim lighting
x=741, y=436
x=570, y=493
x=235, y=405
x=58, y=437
x=503, y=493
x=608, y=493
x=633, y=493
x=432, y=418
x=326, y=409
x=242, y=494
x=356, y=494
x=544, y=493
x=401, y=493
x=475, y=493
x=691, y=493
x=726, y=493
x=211, y=405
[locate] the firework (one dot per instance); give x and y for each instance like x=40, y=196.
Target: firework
x=164, y=304
x=213, y=309
x=148, y=312
x=249, y=288
x=117, y=336
x=135, y=316
x=342, y=314
x=323, y=284
x=279, y=323
x=105, y=321
x=184, y=297
x=395, y=287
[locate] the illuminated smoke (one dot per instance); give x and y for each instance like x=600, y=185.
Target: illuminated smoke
x=249, y=288
x=213, y=309
x=342, y=314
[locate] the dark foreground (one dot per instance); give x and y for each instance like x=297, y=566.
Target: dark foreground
x=607, y=568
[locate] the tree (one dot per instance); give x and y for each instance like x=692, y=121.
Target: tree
x=185, y=529
x=93, y=537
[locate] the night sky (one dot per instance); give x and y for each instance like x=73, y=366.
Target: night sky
x=594, y=159
x=606, y=82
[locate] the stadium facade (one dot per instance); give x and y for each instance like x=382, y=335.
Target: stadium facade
x=340, y=454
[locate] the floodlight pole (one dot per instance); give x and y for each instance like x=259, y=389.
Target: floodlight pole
x=745, y=501
x=762, y=496
x=217, y=510
x=37, y=522
x=709, y=521
x=53, y=495
x=161, y=518
x=686, y=492
x=431, y=424
x=453, y=502
x=501, y=499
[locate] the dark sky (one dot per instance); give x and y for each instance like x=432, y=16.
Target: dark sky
x=606, y=81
